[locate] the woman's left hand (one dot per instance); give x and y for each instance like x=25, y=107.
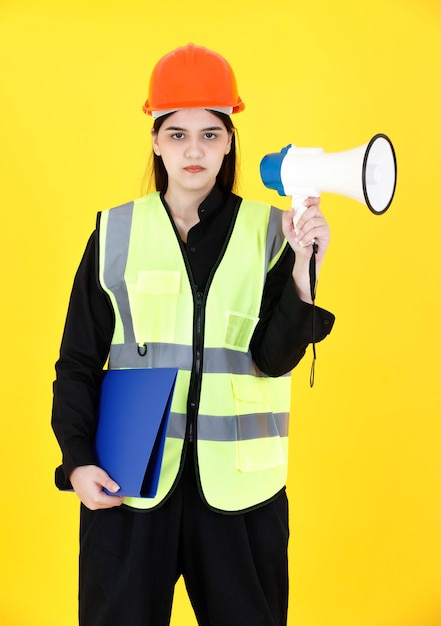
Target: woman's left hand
x=311, y=227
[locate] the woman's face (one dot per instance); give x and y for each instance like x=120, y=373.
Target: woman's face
x=192, y=144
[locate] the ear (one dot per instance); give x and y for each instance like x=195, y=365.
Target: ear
x=154, y=142
x=228, y=148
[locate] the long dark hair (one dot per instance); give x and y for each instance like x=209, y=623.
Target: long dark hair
x=226, y=177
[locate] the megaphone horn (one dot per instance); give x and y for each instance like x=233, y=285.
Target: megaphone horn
x=367, y=173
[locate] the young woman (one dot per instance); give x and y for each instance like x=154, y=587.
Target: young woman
x=195, y=277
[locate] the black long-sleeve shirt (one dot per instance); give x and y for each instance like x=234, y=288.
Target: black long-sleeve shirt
x=279, y=342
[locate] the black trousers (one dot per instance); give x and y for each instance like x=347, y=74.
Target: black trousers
x=234, y=566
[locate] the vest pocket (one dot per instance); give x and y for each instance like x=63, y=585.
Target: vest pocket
x=239, y=330
x=258, y=442
x=153, y=300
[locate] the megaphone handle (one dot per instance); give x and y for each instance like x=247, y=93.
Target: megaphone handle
x=298, y=204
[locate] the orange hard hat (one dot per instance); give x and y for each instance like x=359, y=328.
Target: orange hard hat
x=192, y=77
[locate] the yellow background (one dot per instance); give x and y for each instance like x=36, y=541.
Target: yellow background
x=364, y=484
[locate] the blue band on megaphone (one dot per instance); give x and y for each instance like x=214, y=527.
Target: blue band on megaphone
x=270, y=168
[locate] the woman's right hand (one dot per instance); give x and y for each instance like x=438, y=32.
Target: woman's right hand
x=89, y=482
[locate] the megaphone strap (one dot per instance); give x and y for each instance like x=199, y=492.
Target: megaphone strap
x=313, y=287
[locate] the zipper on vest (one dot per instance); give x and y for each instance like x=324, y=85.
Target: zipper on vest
x=198, y=334
x=199, y=299
x=196, y=374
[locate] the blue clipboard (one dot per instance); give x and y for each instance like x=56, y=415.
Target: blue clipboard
x=133, y=416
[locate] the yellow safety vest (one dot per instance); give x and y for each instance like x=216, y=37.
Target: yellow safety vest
x=241, y=430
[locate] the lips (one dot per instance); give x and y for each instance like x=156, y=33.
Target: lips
x=194, y=169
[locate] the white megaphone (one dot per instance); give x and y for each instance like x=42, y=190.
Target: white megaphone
x=367, y=174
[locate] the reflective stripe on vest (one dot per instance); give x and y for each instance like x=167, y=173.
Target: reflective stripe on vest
x=242, y=423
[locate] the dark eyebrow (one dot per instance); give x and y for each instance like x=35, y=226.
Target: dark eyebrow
x=179, y=129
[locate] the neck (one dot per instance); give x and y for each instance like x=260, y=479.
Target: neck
x=184, y=210
x=185, y=205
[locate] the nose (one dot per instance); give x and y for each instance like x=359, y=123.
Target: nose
x=194, y=149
